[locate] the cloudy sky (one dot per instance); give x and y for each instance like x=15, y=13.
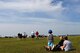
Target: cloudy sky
x=62, y=16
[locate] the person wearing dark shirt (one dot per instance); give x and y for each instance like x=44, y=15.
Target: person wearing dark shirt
x=57, y=47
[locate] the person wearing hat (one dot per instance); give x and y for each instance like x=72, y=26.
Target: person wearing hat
x=50, y=41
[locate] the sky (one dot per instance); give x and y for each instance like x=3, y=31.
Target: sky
x=62, y=16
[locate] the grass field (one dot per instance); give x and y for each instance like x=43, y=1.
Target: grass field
x=29, y=45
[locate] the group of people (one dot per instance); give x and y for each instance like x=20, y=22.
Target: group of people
x=63, y=45
x=20, y=35
x=33, y=34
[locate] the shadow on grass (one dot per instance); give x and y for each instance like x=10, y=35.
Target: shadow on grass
x=60, y=51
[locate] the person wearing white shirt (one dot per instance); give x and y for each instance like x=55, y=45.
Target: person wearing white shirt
x=32, y=34
x=67, y=45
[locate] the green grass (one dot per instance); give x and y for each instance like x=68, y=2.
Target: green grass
x=29, y=45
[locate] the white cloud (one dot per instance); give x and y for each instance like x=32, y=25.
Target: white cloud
x=58, y=27
x=31, y=5
x=28, y=24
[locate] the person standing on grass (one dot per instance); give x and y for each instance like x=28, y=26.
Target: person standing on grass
x=32, y=34
x=37, y=34
x=67, y=45
x=50, y=41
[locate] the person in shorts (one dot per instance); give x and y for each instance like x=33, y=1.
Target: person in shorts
x=50, y=41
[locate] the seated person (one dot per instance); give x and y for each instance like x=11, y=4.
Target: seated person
x=57, y=47
x=67, y=45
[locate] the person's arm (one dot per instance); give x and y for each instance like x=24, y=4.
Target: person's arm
x=62, y=47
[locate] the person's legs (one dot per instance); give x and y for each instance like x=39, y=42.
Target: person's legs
x=47, y=47
x=56, y=48
x=50, y=45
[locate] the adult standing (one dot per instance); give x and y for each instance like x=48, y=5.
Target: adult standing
x=32, y=34
x=37, y=34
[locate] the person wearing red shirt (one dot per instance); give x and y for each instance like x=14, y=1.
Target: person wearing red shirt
x=37, y=33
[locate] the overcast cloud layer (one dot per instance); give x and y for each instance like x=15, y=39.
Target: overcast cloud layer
x=62, y=16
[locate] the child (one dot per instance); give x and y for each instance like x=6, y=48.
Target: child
x=50, y=40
